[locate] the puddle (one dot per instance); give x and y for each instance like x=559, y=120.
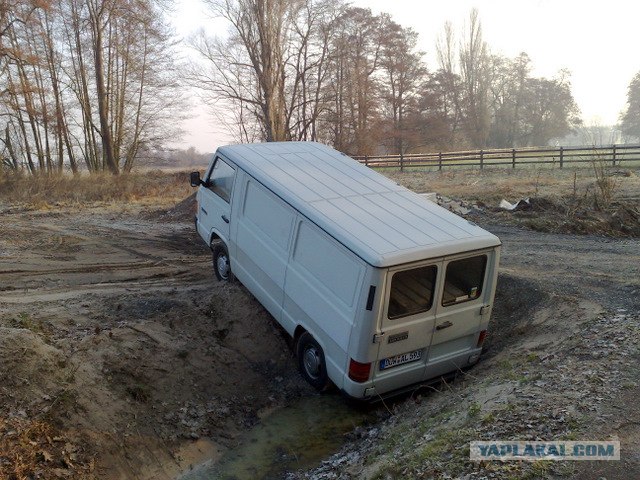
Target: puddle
x=294, y=437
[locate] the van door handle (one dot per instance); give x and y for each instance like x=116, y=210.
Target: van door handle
x=226, y=220
x=444, y=325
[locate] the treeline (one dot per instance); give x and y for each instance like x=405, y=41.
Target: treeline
x=323, y=70
x=94, y=84
x=84, y=83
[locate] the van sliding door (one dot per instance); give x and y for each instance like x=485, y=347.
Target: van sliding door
x=264, y=231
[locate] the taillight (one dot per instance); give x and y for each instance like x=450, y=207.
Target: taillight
x=359, y=372
x=481, y=338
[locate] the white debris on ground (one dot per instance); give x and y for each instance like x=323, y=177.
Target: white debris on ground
x=519, y=205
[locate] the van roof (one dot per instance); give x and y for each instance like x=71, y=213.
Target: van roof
x=380, y=221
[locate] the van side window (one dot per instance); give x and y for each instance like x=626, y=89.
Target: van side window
x=411, y=292
x=463, y=280
x=221, y=179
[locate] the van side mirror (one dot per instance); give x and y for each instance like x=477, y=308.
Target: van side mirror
x=195, y=179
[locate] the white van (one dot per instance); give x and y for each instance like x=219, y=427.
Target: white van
x=379, y=288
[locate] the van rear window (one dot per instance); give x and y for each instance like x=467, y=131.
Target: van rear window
x=411, y=292
x=463, y=280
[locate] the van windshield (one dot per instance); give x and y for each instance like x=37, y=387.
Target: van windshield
x=464, y=279
x=411, y=292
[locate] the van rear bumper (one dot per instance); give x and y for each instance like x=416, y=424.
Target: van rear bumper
x=395, y=385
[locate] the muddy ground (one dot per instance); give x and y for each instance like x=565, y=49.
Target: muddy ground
x=121, y=356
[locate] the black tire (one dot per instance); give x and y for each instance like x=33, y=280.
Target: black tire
x=311, y=362
x=221, y=266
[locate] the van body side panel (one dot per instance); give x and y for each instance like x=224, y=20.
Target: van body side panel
x=491, y=292
x=263, y=226
x=362, y=347
x=323, y=282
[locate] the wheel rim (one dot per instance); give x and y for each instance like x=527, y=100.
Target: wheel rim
x=312, y=362
x=222, y=264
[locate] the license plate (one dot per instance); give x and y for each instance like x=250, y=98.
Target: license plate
x=400, y=359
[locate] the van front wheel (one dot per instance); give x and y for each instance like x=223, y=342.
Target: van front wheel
x=221, y=262
x=311, y=362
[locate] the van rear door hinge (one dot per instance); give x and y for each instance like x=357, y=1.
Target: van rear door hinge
x=377, y=338
x=485, y=310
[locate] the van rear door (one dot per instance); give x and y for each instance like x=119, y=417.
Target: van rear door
x=406, y=325
x=460, y=309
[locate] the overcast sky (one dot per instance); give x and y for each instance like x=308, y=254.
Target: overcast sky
x=598, y=42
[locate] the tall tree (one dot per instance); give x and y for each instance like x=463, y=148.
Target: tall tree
x=403, y=74
x=550, y=110
x=630, y=119
x=358, y=39
x=446, y=86
x=248, y=68
x=475, y=78
x=507, y=99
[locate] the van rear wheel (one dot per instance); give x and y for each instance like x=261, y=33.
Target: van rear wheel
x=311, y=362
x=221, y=266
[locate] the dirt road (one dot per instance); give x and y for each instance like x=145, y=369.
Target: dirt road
x=114, y=332
x=601, y=269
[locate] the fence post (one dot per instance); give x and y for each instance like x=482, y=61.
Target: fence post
x=366, y=160
x=401, y=162
x=561, y=156
x=439, y=161
x=613, y=156
x=513, y=158
x=481, y=159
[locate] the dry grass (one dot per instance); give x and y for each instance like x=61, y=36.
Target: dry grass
x=162, y=189
x=31, y=449
x=40, y=192
x=491, y=185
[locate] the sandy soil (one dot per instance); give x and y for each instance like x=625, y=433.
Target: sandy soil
x=117, y=340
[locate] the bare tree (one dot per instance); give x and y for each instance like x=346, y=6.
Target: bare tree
x=447, y=83
x=404, y=73
x=474, y=73
x=256, y=52
x=86, y=80
x=630, y=118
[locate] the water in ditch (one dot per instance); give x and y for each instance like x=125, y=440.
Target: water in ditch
x=294, y=437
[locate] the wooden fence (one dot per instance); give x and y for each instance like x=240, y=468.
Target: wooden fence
x=611, y=155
